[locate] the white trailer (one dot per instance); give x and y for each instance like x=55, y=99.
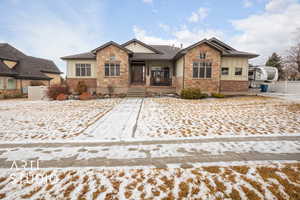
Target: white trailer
x=262, y=75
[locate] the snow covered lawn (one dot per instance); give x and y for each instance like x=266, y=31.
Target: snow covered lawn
x=49, y=120
x=233, y=181
x=241, y=116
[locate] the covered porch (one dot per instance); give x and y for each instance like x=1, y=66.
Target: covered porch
x=157, y=74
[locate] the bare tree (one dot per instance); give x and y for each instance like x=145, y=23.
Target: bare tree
x=293, y=58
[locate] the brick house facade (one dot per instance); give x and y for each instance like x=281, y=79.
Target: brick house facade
x=210, y=65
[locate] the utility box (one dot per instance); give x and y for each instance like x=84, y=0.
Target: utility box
x=36, y=93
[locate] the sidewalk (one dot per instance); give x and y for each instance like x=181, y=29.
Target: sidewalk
x=154, y=153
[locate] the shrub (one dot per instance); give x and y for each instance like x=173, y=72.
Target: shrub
x=36, y=83
x=61, y=97
x=217, y=95
x=55, y=90
x=192, y=93
x=81, y=87
x=85, y=96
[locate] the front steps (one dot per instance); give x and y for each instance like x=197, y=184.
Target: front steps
x=136, y=92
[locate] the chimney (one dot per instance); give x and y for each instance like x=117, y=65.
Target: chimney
x=181, y=46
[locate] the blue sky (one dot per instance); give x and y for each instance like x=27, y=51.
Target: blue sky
x=52, y=29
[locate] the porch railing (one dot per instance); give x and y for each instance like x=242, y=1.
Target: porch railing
x=161, y=81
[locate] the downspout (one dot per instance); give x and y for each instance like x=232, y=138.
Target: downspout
x=183, y=72
x=220, y=67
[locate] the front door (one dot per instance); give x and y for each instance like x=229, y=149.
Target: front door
x=137, y=74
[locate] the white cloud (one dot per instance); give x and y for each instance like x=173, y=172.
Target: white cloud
x=164, y=27
x=199, y=15
x=182, y=36
x=142, y=35
x=279, y=5
x=271, y=31
x=247, y=3
x=50, y=36
x=148, y=1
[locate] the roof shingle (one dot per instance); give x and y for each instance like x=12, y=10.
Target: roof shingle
x=27, y=66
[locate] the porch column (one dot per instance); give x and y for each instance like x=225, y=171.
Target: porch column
x=147, y=75
x=173, y=84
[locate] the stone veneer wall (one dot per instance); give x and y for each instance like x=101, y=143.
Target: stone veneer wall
x=178, y=82
x=206, y=85
x=120, y=83
x=234, y=86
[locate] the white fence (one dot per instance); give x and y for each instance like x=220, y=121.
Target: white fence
x=286, y=87
x=37, y=93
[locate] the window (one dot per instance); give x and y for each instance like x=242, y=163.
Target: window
x=1, y=84
x=225, y=71
x=11, y=84
x=112, y=69
x=83, y=69
x=238, y=71
x=202, y=55
x=202, y=70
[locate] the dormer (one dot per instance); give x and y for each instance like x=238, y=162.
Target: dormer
x=9, y=63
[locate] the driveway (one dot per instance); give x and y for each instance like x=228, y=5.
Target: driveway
x=119, y=123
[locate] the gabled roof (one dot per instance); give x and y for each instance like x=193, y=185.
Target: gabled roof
x=9, y=52
x=220, y=43
x=27, y=66
x=165, y=52
x=225, y=49
x=204, y=41
x=143, y=44
x=111, y=43
x=87, y=55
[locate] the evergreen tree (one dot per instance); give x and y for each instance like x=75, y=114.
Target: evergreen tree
x=276, y=61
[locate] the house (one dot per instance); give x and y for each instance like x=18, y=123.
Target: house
x=18, y=71
x=210, y=65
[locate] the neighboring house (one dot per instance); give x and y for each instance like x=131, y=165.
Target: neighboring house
x=18, y=71
x=210, y=65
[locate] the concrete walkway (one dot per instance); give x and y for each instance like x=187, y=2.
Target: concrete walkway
x=154, y=153
x=119, y=123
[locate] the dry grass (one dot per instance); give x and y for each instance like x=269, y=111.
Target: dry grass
x=2, y=179
x=241, y=169
x=68, y=190
x=212, y=169
x=183, y=190
x=241, y=116
x=220, y=186
x=128, y=194
x=274, y=189
x=255, y=185
x=291, y=174
x=219, y=182
x=31, y=193
x=250, y=193
x=292, y=190
x=2, y=195
x=84, y=190
x=49, y=187
x=294, y=107
x=235, y=194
